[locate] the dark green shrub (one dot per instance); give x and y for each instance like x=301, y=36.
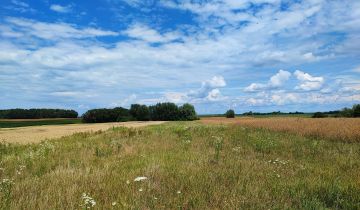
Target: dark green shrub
x=106, y=115
x=319, y=115
x=230, y=113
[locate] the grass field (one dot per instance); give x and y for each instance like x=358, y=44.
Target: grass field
x=10, y=123
x=187, y=165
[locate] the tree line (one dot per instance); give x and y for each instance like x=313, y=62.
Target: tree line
x=158, y=112
x=37, y=113
x=345, y=112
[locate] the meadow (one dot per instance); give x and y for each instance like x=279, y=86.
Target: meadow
x=182, y=165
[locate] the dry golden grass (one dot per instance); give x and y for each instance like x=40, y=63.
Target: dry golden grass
x=189, y=165
x=35, y=134
x=344, y=129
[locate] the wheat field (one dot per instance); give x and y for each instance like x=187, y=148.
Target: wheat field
x=343, y=129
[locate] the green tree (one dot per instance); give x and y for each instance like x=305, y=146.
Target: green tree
x=356, y=110
x=230, y=113
x=187, y=112
x=140, y=112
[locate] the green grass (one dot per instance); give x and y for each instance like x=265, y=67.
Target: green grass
x=188, y=166
x=14, y=124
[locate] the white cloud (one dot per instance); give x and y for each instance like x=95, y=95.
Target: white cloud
x=308, y=82
x=61, y=9
x=215, y=95
x=279, y=79
x=284, y=98
x=275, y=81
x=356, y=69
x=147, y=34
x=176, y=97
x=53, y=31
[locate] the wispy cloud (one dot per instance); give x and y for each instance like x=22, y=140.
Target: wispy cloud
x=61, y=9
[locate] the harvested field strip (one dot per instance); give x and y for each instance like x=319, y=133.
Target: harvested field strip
x=35, y=134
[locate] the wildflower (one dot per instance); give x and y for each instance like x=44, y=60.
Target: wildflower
x=140, y=178
x=127, y=182
x=140, y=190
x=88, y=201
x=278, y=175
x=178, y=192
x=113, y=203
x=7, y=181
x=155, y=198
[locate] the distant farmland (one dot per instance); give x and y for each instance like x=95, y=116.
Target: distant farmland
x=343, y=129
x=13, y=123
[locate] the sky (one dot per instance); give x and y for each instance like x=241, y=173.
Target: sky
x=247, y=55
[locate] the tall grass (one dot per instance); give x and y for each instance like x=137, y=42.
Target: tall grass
x=187, y=166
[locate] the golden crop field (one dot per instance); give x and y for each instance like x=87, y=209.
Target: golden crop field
x=35, y=134
x=344, y=129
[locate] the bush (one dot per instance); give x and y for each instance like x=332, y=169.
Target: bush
x=37, y=113
x=187, y=112
x=230, y=113
x=319, y=115
x=117, y=114
x=140, y=112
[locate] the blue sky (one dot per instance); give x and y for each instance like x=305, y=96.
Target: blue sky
x=259, y=55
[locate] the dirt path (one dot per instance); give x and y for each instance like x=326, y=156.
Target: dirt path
x=34, y=134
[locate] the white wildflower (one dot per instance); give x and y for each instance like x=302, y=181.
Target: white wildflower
x=88, y=201
x=140, y=178
x=178, y=192
x=140, y=190
x=113, y=203
x=127, y=182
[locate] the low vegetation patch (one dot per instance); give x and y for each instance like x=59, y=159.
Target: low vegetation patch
x=25, y=123
x=181, y=165
x=37, y=113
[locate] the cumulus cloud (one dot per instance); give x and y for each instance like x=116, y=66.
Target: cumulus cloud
x=209, y=91
x=308, y=82
x=275, y=81
x=61, y=9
